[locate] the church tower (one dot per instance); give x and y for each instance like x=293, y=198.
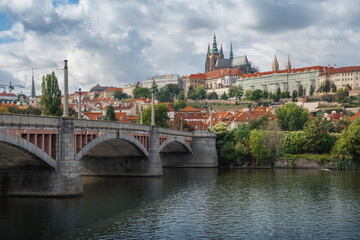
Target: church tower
x=33, y=95
x=288, y=64
x=275, y=65
x=231, y=52
x=212, y=55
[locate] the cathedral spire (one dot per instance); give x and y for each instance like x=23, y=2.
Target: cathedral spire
x=288, y=64
x=214, y=49
x=33, y=95
x=231, y=51
x=208, y=48
x=275, y=65
x=221, y=50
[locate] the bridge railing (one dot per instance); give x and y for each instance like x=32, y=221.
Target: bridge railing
x=28, y=120
x=109, y=125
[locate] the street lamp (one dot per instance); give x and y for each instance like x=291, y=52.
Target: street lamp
x=141, y=115
x=181, y=117
x=79, y=106
x=153, y=105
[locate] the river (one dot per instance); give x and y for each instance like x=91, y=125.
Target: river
x=196, y=204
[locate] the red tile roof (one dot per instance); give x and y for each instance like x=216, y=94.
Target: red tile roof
x=197, y=76
x=352, y=118
x=189, y=109
x=224, y=72
x=5, y=94
x=294, y=70
x=328, y=71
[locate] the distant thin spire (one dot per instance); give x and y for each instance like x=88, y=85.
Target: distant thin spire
x=208, y=48
x=231, y=51
x=288, y=64
x=214, y=48
x=221, y=50
x=275, y=65
x=33, y=95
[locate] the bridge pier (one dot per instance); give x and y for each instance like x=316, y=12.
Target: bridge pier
x=44, y=180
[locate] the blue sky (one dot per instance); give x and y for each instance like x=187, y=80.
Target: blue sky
x=117, y=42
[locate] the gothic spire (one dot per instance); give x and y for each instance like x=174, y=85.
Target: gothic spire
x=231, y=51
x=33, y=95
x=208, y=48
x=214, y=48
x=275, y=65
x=288, y=64
x=221, y=50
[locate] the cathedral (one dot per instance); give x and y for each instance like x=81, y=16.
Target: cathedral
x=215, y=60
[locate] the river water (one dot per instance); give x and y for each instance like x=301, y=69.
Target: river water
x=196, y=204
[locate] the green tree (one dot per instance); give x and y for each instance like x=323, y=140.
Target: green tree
x=342, y=94
x=333, y=87
x=256, y=95
x=265, y=95
x=200, y=92
x=285, y=94
x=301, y=91
x=277, y=95
x=291, y=117
x=294, y=96
x=347, y=148
x=161, y=115
x=120, y=95
x=236, y=92
x=110, y=114
x=212, y=95
x=325, y=87
x=317, y=137
x=258, y=148
x=142, y=92
x=224, y=96
x=312, y=90
x=191, y=93
x=261, y=123
x=51, y=96
x=248, y=94
x=177, y=105
x=169, y=92
x=181, y=96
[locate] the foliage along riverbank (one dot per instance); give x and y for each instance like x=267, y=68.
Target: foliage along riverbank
x=261, y=142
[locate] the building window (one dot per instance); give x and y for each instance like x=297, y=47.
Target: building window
x=190, y=114
x=198, y=114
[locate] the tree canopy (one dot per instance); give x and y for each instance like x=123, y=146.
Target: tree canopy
x=120, y=95
x=291, y=117
x=110, y=113
x=50, y=101
x=161, y=115
x=140, y=92
x=236, y=92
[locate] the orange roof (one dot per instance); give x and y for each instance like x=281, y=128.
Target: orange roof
x=224, y=72
x=294, y=70
x=93, y=115
x=169, y=107
x=197, y=76
x=246, y=116
x=352, y=118
x=332, y=70
x=189, y=109
x=113, y=89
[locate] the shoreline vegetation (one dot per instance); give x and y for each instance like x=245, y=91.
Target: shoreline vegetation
x=293, y=140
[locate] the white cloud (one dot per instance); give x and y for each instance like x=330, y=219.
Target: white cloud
x=116, y=42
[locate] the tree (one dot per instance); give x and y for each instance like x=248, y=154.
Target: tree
x=176, y=124
x=261, y=123
x=325, y=87
x=110, y=114
x=294, y=96
x=161, y=115
x=291, y=117
x=177, y=105
x=212, y=95
x=317, y=137
x=341, y=94
x=347, y=148
x=265, y=95
x=200, y=92
x=181, y=96
x=120, y=95
x=256, y=95
x=277, y=95
x=285, y=94
x=169, y=92
x=349, y=88
x=236, y=92
x=224, y=96
x=312, y=90
x=191, y=94
x=258, y=147
x=142, y=92
x=51, y=96
x=333, y=87
x=301, y=91
x=4, y=109
x=248, y=94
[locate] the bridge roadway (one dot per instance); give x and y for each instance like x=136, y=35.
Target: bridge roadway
x=46, y=156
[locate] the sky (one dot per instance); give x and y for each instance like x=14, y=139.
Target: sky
x=117, y=42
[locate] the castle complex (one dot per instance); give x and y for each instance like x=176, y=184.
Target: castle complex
x=215, y=60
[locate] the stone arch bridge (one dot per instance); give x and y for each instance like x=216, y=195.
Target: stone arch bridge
x=46, y=156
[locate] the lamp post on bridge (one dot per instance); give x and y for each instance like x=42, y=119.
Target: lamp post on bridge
x=66, y=96
x=153, y=105
x=211, y=118
x=79, y=106
x=181, y=117
x=141, y=115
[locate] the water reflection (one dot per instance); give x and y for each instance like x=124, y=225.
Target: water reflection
x=196, y=203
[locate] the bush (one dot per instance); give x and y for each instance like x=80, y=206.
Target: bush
x=293, y=142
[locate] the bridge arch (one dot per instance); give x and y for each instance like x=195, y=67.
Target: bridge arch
x=23, y=149
x=111, y=140
x=175, y=144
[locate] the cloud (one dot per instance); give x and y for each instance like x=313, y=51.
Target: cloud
x=117, y=42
